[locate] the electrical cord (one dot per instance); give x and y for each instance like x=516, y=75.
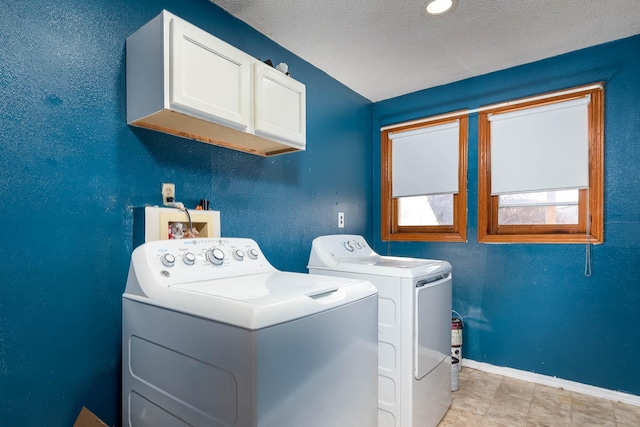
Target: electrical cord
x=180, y=206
x=188, y=216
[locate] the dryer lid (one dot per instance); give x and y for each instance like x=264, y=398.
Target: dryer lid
x=351, y=254
x=393, y=266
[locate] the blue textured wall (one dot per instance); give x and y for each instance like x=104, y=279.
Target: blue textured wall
x=71, y=171
x=530, y=307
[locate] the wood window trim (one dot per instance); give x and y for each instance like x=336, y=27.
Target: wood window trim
x=488, y=229
x=390, y=230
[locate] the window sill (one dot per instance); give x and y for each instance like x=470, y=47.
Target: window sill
x=538, y=238
x=425, y=237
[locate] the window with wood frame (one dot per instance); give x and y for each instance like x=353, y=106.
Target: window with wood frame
x=424, y=180
x=541, y=169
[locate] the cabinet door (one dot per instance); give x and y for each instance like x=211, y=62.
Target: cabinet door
x=280, y=106
x=209, y=79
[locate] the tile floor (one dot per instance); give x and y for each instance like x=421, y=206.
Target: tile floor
x=486, y=399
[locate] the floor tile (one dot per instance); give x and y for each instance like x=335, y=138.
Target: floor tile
x=626, y=415
x=489, y=400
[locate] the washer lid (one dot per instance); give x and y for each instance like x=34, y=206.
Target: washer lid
x=265, y=288
x=257, y=301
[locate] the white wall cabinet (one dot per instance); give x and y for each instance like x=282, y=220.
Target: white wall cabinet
x=207, y=77
x=279, y=106
x=184, y=81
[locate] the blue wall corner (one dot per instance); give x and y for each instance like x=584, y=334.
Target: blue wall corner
x=530, y=307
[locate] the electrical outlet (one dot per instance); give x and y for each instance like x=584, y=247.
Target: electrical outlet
x=340, y=219
x=168, y=193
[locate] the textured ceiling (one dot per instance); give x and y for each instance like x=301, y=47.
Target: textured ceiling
x=385, y=48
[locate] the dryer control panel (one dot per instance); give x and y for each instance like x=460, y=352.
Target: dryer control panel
x=343, y=246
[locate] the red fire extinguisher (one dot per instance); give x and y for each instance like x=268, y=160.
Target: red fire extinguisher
x=456, y=352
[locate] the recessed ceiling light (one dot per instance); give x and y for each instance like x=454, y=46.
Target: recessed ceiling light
x=439, y=7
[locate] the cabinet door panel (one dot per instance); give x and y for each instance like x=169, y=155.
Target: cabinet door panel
x=279, y=106
x=209, y=79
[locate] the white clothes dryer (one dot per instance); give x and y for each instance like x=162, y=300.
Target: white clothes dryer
x=214, y=335
x=414, y=326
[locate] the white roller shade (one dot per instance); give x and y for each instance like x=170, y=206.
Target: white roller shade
x=540, y=149
x=425, y=161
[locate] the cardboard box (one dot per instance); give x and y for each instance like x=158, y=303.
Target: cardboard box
x=86, y=418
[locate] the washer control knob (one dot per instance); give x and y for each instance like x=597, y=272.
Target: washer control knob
x=168, y=260
x=238, y=254
x=359, y=245
x=189, y=258
x=348, y=245
x=215, y=256
x=253, y=253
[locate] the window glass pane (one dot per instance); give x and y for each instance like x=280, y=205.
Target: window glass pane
x=425, y=210
x=548, y=207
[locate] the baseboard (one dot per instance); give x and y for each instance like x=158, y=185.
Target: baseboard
x=589, y=390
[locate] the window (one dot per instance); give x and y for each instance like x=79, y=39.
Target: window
x=546, y=207
x=424, y=180
x=546, y=185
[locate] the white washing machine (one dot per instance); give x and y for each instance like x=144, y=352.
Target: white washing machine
x=213, y=335
x=414, y=326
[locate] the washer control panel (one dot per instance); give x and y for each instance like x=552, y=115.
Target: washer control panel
x=189, y=260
